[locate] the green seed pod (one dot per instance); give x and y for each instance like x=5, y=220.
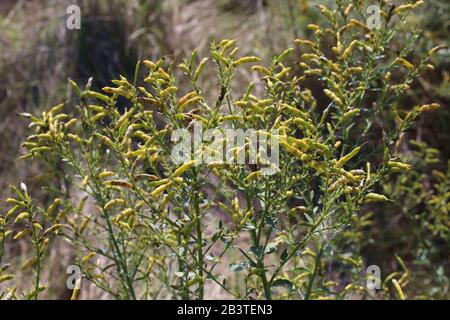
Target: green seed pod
x=373, y=197
x=246, y=60
x=22, y=234
x=398, y=165
x=199, y=68
x=347, y=157
x=21, y=217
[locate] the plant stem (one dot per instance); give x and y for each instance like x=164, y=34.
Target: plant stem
x=198, y=226
x=314, y=274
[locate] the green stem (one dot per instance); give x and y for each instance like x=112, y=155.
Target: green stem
x=314, y=274
x=198, y=226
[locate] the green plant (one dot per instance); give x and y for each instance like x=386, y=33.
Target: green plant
x=145, y=226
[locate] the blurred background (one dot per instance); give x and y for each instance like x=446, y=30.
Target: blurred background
x=38, y=53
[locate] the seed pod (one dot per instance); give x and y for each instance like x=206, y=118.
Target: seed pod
x=247, y=217
x=85, y=181
x=11, y=212
x=127, y=115
x=104, y=139
x=261, y=70
x=22, y=234
x=200, y=68
x=350, y=114
x=282, y=73
x=313, y=72
x=398, y=165
x=304, y=124
x=372, y=197
x=186, y=97
x=348, y=9
x=405, y=63
x=428, y=107
x=298, y=143
x=226, y=44
x=56, y=109
x=149, y=64
x=305, y=43
x=105, y=174
x=22, y=216
x=246, y=60
x=117, y=91
x=97, y=95
x=125, y=226
x=43, y=149
x=161, y=189
x=349, y=49
x=298, y=209
x=297, y=153
x=114, y=203
x=76, y=290
x=87, y=257
x=139, y=205
x=124, y=214
x=347, y=157
x=284, y=54
x=163, y=74
x=399, y=290
x=264, y=103
x=313, y=27
x=252, y=176
x=354, y=22
x=29, y=263
x=53, y=229
x=333, y=97
x=119, y=183
x=168, y=91
x=188, y=103
x=84, y=225
x=309, y=56
x=6, y=277
x=354, y=70
x=184, y=168
x=98, y=116
x=436, y=49
x=70, y=123
x=402, y=8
